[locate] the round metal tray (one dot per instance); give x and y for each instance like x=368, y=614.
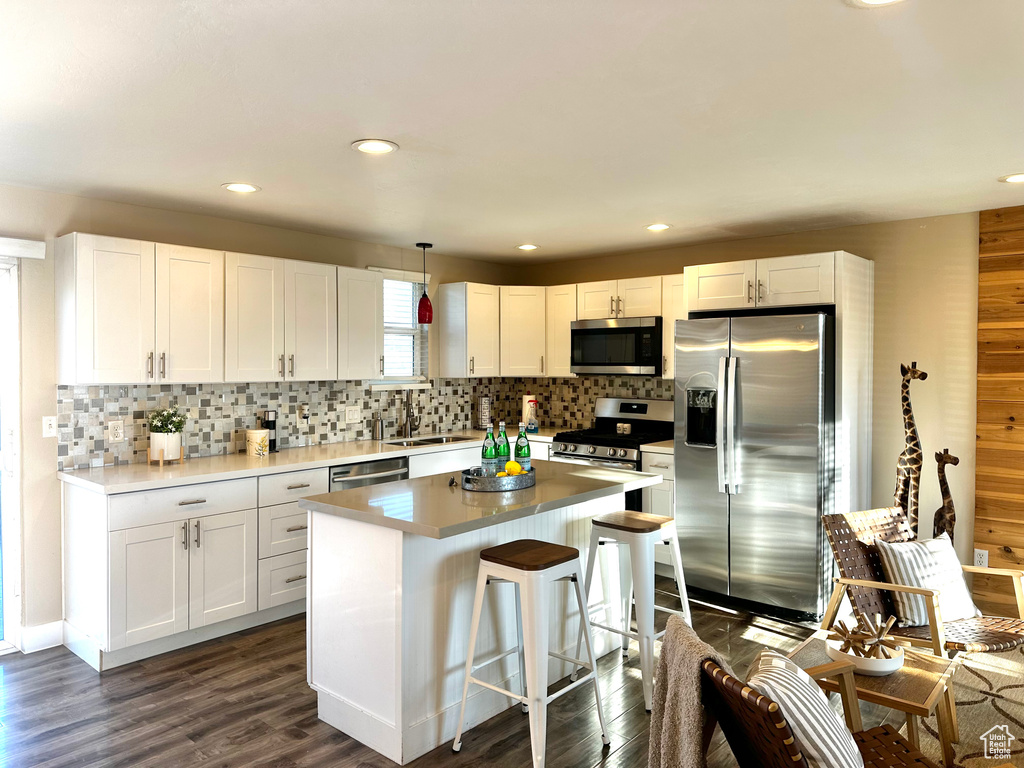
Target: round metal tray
x=473, y=479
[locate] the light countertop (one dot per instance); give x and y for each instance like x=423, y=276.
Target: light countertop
x=665, y=446
x=126, y=478
x=430, y=506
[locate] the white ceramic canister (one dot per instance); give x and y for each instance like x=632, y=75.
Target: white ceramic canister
x=257, y=442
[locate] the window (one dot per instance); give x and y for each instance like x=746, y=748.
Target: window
x=405, y=340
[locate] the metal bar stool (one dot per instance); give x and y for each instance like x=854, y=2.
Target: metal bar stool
x=636, y=534
x=533, y=567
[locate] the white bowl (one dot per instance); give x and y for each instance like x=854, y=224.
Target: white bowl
x=864, y=665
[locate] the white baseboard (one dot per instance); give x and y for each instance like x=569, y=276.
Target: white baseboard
x=42, y=636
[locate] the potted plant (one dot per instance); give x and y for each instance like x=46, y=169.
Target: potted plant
x=165, y=428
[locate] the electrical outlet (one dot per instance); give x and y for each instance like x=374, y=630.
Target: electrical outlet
x=981, y=558
x=115, y=432
x=352, y=413
x=49, y=426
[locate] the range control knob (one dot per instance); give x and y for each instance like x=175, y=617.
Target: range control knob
x=591, y=449
x=622, y=452
x=611, y=451
x=561, y=446
x=572, y=449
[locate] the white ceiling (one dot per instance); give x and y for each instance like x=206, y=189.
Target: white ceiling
x=568, y=124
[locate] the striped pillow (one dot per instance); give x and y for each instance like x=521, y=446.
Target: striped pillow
x=931, y=564
x=821, y=735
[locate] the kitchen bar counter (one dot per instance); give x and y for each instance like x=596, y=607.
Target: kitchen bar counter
x=389, y=598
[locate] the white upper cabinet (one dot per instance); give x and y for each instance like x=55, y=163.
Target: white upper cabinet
x=633, y=297
x=360, y=324
x=189, y=314
x=311, y=321
x=796, y=280
x=523, y=330
x=105, y=310
x=673, y=307
x=721, y=286
x=469, y=329
x=560, y=311
x=253, y=318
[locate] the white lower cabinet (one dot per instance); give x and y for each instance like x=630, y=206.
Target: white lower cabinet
x=282, y=579
x=222, y=567
x=660, y=499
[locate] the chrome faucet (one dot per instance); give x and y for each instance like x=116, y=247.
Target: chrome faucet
x=412, y=421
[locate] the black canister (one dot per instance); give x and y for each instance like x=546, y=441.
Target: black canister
x=270, y=422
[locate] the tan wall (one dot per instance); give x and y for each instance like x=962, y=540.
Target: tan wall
x=42, y=216
x=926, y=308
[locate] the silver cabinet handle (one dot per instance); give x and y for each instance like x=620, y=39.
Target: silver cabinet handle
x=192, y=501
x=197, y=534
x=661, y=466
x=281, y=363
x=664, y=364
x=382, y=365
x=295, y=578
x=295, y=528
x=163, y=365
x=184, y=535
x=620, y=306
x=291, y=365
x=611, y=309
x=750, y=291
x=296, y=486
x=760, y=291
x=542, y=363
x=472, y=365
x=149, y=366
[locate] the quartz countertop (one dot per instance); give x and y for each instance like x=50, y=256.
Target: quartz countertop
x=430, y=506
x=127, y=478
x=665, y=446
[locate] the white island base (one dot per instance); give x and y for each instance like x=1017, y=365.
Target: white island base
x=388, y=623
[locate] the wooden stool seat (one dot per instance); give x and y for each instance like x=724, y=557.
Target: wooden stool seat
x=529, y=554
x=632, y=522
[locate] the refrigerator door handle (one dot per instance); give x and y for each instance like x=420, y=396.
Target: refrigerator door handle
x=730, y=404
x=720, y=440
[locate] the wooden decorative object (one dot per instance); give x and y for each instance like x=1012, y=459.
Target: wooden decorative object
x=945, y=516
x=868, y=639
x=908, y=466
x=160, y=457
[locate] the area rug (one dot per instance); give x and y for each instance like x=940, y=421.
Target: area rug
x=989, y=690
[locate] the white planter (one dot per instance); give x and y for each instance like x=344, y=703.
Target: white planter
x=168, y=442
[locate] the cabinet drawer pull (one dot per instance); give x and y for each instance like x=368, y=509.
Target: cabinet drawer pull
x=382, y=366
x=163, y=365
x=611, y=310
x=620, y=307
x=295, y=578
x=296, y=486
x=661, y=466
x=295, y=528
x=149, y=365
x=291, y=365
x=282, y=366
x=542, y=363
x=760, y=291
x=184, y=536
x=197, y=534
x=750, y=291
x=472, y=365
x=189, y=503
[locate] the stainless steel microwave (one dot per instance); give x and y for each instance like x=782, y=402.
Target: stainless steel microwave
x=626, y=345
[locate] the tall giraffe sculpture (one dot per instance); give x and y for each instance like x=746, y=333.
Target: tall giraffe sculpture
x=945, y=516
x=908, y=466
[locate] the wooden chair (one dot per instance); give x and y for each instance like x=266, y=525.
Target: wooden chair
x=760, y=737
x=852, y=536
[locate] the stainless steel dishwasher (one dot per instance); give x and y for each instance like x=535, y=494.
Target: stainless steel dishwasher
x=369, y=473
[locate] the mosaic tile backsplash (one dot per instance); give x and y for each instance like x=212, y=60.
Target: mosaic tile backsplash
x=219, y=414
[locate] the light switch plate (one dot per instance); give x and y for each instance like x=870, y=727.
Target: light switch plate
x=115, y=432
x=981, y=558
x=352, y=414
x=49, y=426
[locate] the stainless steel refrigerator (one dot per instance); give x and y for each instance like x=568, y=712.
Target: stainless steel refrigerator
x=754, y=456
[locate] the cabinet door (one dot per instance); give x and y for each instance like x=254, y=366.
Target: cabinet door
x=721, y=286
x=148, y=583
x=222, y=580
x=522, y=330
x=559, y=314
x=253, y=318
x=311, y=321
x=482, y=329
x=596, y=301
x=114, y=310
x=673, y=307
x=360, y=324
x=639, y=297
x=189, y=314
x=796, y=280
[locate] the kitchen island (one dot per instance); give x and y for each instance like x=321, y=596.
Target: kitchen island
x=391, y=576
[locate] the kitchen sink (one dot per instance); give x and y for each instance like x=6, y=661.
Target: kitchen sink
x=444, y=439
x=406, y=443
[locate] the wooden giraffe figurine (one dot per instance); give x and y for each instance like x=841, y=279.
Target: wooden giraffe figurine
x=945, y=516
x=908, y=467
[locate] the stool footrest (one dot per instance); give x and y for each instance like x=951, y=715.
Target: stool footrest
x=493, y=659
x=502, y=691
x=616, y=630
x=570, y=659
x=588, y=678
x=669, y=610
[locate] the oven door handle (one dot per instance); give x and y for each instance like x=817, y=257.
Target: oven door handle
x=596, y=463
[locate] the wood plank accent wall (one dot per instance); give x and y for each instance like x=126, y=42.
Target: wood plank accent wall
x=999, y=510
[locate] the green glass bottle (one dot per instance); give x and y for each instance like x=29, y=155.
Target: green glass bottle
x=504, y=449
x=523, y=448
x=489, y=455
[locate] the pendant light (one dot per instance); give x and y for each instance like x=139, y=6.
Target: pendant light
x=425, y=311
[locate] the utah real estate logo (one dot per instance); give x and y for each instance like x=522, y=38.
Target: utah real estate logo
x=997, y=742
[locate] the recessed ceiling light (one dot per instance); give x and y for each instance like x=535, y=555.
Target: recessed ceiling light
x=1013, y=178
x=658, y=227
x=241, y=187
x=527, y=247
x=375, y=146
x=870, y=3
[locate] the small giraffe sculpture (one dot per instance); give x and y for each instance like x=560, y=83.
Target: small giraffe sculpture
x=908, y=467
x=945, y=516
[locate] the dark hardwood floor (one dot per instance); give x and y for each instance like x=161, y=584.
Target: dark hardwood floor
x=243, y=701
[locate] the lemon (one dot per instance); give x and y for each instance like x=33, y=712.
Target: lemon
x=513, y=467
x=502, y=474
